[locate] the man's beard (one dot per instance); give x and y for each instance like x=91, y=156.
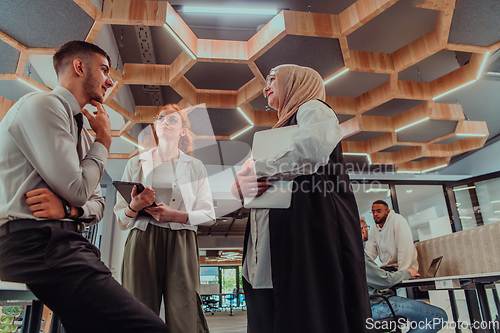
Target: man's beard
x=382, y=220
x=89, y=86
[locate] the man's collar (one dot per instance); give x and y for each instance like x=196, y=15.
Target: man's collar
x=68, y=96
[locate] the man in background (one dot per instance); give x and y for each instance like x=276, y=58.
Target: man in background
x=428, y=318
x=391, y=239
x=49, y=186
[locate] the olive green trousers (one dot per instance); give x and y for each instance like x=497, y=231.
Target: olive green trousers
x=161, y=262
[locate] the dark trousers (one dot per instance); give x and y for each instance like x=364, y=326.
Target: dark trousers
x=260, y=309
x=65, y=272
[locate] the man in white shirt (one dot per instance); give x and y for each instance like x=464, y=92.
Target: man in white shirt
x=49, y=180
x=391, y=239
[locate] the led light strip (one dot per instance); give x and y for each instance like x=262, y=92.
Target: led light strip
x=132, y=142
x=243, y=131
x=407, y=171
x=179, y=40
x=466, y=134
x=244, y=115
x=417, y=122
x=360, y=154
x=335, y=76
x=482, y=65
x=435, y=168
x=219, y=10
x=28, y=84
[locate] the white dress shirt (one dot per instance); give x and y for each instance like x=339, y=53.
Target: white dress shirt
x=393, y=243
x=312, y=143
x=190, y=192
x=38, y=149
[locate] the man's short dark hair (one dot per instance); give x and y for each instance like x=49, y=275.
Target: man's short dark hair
x=381, y=202
x=73, y=50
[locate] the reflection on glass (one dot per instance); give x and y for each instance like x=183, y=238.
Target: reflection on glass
x=424, y=207
x=470, y=215
x=488, y=195
x=366, y=194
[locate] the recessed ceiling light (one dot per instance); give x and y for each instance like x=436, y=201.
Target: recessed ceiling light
x=184, y=46
x=335, y=76
x=241, y=132
x=132, y=142
x=244, y=115
x=409, y=191
x=452, y=90
x=463, y=188
x=435, y=168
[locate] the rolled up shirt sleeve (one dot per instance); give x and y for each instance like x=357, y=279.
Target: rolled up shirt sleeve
x=317, y=135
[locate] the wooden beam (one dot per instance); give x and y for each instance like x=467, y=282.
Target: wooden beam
x=113, y=156
x=361, y=12
x=473, y=127
x=414, y=90
x=436, y=4
x=423, y=165
x=266, y=37
x=186, y=89
x=249, y=91
x=41, y=50
x=127, y=127
x=356, y=147
x=350, y=127
x=146, y=114
x=180, y=66
x=371, y=62
x=181, y=29
x=342, y=105
x=380, y=143
x=210, y=50
x=119, y=109
x=89, y=8
x=21, y=63
x=311, y=24
x=376, y=124
x=5, y=105
x=224, y=99
x=374, y=97
x=11, y=41
x=146, y=74
x=256, y=72
x=467, y=48
x=94, y=31
x=344, y=48
x=248, y=110
x=410, y=116
x=134, y=12
x=459, y=77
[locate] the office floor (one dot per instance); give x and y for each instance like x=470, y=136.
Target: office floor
x=222, y=322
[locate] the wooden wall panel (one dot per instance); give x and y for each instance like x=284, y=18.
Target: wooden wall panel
x=371, y=62
x=146, y=74
x=134, y=12
x=222, y=50
x=361, y=12
x=266, y=37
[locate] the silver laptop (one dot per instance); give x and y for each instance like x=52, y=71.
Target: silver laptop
x=267, y=143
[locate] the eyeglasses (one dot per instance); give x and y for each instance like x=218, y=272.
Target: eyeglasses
x=378, y=211
x=171, y=120
x=366, y=227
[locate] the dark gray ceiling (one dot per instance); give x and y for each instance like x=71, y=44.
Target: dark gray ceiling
x=322, y=54
x=426, y=131
x=9, y=57
x=432, y=67
x=219, y=75
x=394, y=149
x=384, y=34
x=354, y=84
x=393, y=107
x=475, y=22
x=44, y=23
x=364, y=136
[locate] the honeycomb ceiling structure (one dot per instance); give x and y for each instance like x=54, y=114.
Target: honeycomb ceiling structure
x=390, y=112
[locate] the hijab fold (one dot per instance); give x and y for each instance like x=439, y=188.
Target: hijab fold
x=296, y=85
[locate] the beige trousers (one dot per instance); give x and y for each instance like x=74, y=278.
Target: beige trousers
x=161, y=262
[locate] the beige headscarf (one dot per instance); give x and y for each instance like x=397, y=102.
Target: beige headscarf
x=296, y=85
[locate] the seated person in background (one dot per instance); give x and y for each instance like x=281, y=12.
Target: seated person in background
x=429, y=318
x=391, y=239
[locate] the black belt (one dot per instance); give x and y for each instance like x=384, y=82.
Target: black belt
x=23, y=224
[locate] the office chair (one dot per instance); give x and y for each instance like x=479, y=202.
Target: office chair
x=210, y=305
x=392, y=321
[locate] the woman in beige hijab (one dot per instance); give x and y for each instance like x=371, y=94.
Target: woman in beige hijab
x=303, y=267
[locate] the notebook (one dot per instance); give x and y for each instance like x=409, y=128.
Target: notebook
x=125, y=189
x=267, y=143
x=431, y=272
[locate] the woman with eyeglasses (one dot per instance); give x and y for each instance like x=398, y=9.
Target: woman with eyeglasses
x=303, y=267
x=161, y=252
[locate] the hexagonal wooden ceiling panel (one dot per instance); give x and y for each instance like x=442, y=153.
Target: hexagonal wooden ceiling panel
x=394, y=117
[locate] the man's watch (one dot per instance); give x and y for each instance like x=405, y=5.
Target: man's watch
x=66, y=207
